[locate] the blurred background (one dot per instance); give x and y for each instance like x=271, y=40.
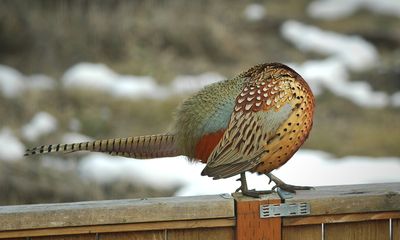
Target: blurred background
x=77, y=70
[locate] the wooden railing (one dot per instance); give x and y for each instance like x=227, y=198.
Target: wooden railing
x=336, y=212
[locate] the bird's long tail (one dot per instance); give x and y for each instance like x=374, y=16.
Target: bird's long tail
x=151, y=146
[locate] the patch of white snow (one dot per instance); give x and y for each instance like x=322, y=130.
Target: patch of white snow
x=135, y=87
x=332, y=74
x=11, y=148
x=101, y=78
x=254, y=12
x=395, y=99
x=11, y=82
x=72, y=137
x=89, y=75
x=193, y=83
x=356, y=53
x=326, y=171
x=41, y=124
x=337, y=9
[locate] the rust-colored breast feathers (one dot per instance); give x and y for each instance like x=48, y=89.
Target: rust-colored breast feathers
x=207, y=144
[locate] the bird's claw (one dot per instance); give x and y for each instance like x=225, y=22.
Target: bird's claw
x=286, y=187
x=256, y=194
x=291, y=188
x=246, y=192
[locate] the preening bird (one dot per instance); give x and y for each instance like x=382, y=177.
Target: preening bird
x=254, y=122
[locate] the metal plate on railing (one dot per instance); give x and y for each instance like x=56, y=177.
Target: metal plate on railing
x=284, y=210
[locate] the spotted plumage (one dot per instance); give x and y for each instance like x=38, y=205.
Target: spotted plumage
x=254, y=122
x=273, y=96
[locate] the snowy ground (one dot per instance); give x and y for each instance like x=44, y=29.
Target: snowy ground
x=331, y=73
x=11, y=148
x=336, y=9
x=14, y=84
x=352, y=51
x=343, y=54
x=254, y=12
x=41, y=124
x=307, y=167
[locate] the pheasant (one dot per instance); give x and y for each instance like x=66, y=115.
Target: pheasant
x=254, y=122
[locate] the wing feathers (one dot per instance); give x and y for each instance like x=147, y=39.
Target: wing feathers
x=260, y=109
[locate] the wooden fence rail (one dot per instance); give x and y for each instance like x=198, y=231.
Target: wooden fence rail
x=336, y=212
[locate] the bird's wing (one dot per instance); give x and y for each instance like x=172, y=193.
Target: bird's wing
x=259, y=110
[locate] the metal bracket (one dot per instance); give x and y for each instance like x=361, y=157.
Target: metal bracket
x=284, y=194
x=284, y=209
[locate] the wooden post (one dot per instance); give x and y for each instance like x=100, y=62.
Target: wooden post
x=249, y=225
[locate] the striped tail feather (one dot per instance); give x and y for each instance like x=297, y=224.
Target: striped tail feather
x=150, y=146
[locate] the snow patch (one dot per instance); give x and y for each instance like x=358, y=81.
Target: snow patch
x=361, y=93
x=73, y=137
x=183, y=84
x=89, y=75
x=135, y=87
x=105, y=168
x=353, y=51
x=344, y=53
x=326, y=171
x=39, y=82
x=395, y=99
x=11, y=82
x=254, y=12
x=332, y=74
x=337, y=9
x=100, y=77
x=322, y=73
x=41, y=124
x=11, y=148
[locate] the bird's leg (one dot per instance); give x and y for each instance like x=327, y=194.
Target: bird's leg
x=245, y=191
x=287, y=187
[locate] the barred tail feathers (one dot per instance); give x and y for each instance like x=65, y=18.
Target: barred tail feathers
x=151, y=146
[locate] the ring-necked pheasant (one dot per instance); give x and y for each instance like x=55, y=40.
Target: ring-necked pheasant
x=254, y=122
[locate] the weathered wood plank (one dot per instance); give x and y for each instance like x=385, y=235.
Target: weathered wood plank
x=184, y=224
x=67, y=237
x=338, y=218
x=351, y=198
x=249, y=225
x=115, y=212
x=396, y=228
x=149, y=235
x=370, y=230
x=309, y=232
x=226, y=233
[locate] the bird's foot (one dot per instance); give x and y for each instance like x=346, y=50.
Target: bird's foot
x=256, y=194
x=291, y=188
x=251, y=193
x=284, y=186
